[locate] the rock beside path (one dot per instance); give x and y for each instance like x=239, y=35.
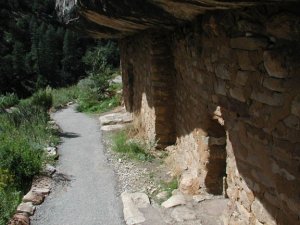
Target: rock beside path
x=132, y=202
x=33, y=197
x=115, y=118
x=26, y=208
x=175, y=200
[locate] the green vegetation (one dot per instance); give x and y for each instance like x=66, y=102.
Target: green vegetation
x=169, y=186
x=36, y=50
x=8, y=100
x=41, y=63
x=96, y=93
x=132, y=148
x=62, y=96
x=24, y=132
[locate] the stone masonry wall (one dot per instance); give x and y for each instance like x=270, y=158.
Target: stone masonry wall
x=149, y=95
x=237, y=107
x=226, y=87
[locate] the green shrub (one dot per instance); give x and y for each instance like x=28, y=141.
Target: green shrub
x=9, y=200
x=42, y=98
x=20, y=159
x=130, y=147
x=8, y=100
x=5, y=178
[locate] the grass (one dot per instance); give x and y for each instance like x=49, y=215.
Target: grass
x=169, y=186
x=130, y=147
x=24, y=132
x=63, y=96
x=88, y=97
x=8, y=100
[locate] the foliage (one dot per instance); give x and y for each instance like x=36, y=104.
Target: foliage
x=24, y=133
x=170, y=186
x=63, y=96
x=36, y=50
x=8, y=100
x=42, y=98
x=9, y=200
x=133, y=148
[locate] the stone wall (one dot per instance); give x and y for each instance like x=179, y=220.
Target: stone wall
x=148, y=77
x=227, y=88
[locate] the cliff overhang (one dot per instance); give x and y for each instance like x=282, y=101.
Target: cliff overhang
x=121, y=18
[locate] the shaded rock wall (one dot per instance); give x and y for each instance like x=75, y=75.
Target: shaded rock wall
x=119, y=18
x=234, y=107
x=148, y=83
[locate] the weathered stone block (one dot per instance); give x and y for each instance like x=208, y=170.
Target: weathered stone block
x=275, y=64
x=292, y=122
x=295, y=108
x=242, y=77
x=238, y=94
x=267, y=97
x=248, y=43
x=245, y=61
x=223, y=71
x=220, y=87
x=274, y=84
x=285, y=26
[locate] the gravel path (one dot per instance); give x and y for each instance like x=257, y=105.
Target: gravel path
x=85, y=186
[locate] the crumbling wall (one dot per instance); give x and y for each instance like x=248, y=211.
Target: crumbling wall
x=233, y=104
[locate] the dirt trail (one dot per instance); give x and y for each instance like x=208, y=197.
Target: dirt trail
x=85, y=190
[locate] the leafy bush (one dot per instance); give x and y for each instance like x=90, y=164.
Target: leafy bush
x=130, y=147
x=42, y=98
x=8, y=100
x=20, y=159
x=24, y=132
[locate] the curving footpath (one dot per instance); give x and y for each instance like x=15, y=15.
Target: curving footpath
x=85, y=190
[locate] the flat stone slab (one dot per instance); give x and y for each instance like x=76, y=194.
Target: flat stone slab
x=115, y=118
x=34, y=197
x=113, y=127
x=26, y=207
x=175, y=200
x=131, y=204
x=182, y=213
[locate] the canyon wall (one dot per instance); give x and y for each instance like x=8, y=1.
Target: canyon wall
x=226, y=88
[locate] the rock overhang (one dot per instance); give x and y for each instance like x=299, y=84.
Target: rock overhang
x=121, y=18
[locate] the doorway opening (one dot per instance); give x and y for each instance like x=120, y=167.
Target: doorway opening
x=215, y=180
